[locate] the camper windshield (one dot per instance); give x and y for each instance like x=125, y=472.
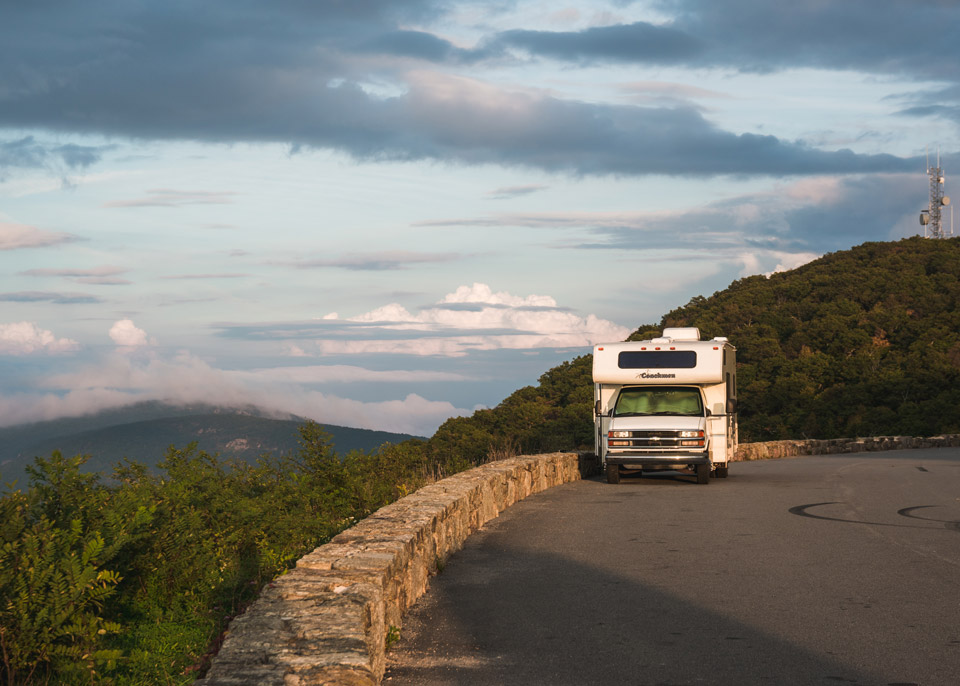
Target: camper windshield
x=661, y=400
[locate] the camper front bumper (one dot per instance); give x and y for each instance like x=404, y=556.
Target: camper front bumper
x=637, y=459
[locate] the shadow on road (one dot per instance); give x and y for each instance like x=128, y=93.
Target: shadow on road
x=825, y=570
x=543, y=619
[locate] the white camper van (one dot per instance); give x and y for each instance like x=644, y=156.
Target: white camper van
x=666, y=403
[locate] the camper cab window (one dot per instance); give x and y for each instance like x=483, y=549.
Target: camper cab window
x=658, y=400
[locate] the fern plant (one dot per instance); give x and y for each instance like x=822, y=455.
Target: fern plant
x=57, y=543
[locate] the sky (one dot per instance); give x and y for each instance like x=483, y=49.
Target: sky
x=384, y=213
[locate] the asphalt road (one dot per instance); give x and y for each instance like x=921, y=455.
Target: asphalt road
x=816, y=570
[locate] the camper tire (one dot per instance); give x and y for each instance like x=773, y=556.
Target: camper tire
x=613, y=473
x=703, y=473
x=722, y=472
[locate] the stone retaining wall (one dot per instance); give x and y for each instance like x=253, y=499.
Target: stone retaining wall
x=776, y=449
x=327, y=620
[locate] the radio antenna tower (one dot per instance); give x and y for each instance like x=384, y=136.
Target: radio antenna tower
x=931, y=218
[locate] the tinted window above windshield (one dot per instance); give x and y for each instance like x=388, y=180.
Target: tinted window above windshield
x=657, y=359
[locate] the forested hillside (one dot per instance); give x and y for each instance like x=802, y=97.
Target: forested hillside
x=860, y=342
x=555, y=415
x=857, y=343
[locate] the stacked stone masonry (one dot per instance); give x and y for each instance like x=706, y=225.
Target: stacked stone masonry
x=326, y=621
x=834, y=446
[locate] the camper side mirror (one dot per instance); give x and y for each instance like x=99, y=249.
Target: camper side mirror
x=596, y=409
x=731, y=406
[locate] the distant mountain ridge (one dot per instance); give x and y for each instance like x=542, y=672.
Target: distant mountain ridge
x=143, y=432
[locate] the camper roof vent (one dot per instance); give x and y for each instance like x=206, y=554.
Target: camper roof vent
x=690, y=333
x=722, y=339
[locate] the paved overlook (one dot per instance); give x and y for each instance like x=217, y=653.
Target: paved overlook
x=837, y=569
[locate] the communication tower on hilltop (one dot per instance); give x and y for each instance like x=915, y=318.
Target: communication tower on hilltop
x=931, y=218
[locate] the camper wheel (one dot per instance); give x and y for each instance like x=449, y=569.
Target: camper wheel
x=722, y=472
x=613, y=473
x=703, y=473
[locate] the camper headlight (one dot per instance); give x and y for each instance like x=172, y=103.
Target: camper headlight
x=618, y=434
x=691, y=434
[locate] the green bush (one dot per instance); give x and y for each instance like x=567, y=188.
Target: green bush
x=132, y=580
x=60, y=544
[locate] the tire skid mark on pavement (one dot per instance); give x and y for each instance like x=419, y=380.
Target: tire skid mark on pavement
x=803, y=511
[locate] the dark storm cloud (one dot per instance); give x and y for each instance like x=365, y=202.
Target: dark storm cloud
x=559, y=135
x=296, y=72
x=944, y=111
x=943, y=103
x=816, y=215
x=866, y=209
x=640, y=42
x=28, y=153
x=903, y=38
x=899, y=37
x=823, y=218
x=423, y=46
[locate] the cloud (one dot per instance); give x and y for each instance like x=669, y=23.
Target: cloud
x=812, y=215
x=482, y=293
x=461, y=346
x=313, y=75
x=103, y=281
x=378, y=261
x=639, y=42
x=51, y=297
x=421, y=45
x=663, y=92
x=470, y=319
x=759, y=36
x=126, y=334
x=119, y=380
x=471, y=122
x=28, y=153
x=508, y=192
x=101, y=276
x=189, y=277
x=163, y=197
x=790, y=261
x=26, y=338
x=342, y=373
x=16, y=236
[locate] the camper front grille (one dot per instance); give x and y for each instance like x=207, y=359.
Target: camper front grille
x=640, y=440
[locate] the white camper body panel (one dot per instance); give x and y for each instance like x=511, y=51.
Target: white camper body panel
x=613, y=362
x=677, y=360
